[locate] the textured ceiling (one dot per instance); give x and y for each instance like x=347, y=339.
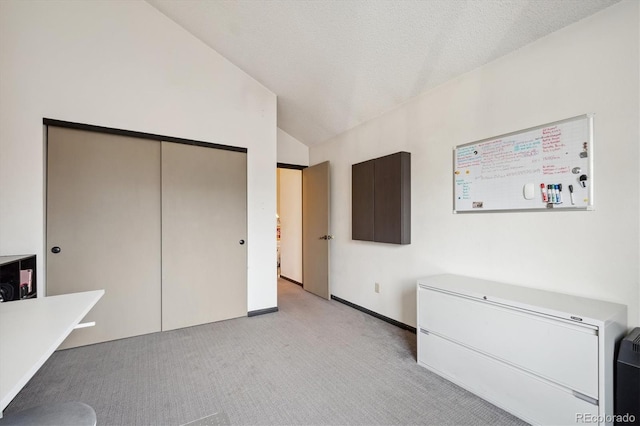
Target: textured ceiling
x=334, y=64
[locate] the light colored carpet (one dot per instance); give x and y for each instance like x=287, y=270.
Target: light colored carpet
x=314, y=362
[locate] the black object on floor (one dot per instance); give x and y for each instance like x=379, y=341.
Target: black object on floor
x=628, y=378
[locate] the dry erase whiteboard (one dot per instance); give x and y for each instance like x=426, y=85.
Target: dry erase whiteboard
x=531, y=169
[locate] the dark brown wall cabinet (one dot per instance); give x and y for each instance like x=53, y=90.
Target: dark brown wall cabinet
x=381, y=199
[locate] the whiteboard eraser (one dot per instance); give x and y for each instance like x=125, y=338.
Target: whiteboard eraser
x=529, y=191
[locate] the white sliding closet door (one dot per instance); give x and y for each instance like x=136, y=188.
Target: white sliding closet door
x=204, y=228
x=103, y=229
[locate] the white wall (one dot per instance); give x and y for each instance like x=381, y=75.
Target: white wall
x=291, y=150
x=125, y=65
x=591, y=66
x=290, y=211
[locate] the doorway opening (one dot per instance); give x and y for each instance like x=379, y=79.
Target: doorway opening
x=289, y=219
x=304, y=248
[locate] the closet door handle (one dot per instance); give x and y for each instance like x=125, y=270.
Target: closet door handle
x=241, y=242
x=56, y=249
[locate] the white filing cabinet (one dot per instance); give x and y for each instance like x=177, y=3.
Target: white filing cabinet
x=545, y=357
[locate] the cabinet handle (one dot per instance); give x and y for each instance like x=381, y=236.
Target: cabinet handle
x=241, y=242
x=56, y=250
x=585, y=398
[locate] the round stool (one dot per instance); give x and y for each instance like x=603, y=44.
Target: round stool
x=61, y=414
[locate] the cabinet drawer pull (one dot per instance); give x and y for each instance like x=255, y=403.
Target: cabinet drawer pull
x=585, y=398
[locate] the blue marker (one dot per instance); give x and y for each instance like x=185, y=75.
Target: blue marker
x=559, y=192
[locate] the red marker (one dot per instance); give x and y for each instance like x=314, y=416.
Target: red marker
x=544, y=193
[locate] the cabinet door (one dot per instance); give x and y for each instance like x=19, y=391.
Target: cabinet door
x=103, y=212
x=362, y=189
x=392, y=199
x=204, y=228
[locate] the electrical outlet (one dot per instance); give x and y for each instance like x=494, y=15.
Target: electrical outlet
x=377, y=288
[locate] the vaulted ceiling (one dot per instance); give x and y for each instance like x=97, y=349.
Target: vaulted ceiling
x=334, y=64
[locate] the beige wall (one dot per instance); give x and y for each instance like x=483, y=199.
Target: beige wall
x=290, y=211
x=589, y=67
x=125, y=65
x=291, y=151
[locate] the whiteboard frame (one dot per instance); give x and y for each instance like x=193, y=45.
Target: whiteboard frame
x=588, y=207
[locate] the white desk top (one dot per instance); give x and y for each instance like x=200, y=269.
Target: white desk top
x=31, y=330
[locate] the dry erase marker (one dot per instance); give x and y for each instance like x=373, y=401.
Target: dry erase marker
x=559, y=197
x=544, y=193
x=571, y=194
x=549, y=194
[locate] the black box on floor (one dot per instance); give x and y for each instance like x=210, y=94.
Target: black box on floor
x=628, y=377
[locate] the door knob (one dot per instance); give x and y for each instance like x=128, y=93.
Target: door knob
x=56, y=250
x=327, y=237
x=241, y=242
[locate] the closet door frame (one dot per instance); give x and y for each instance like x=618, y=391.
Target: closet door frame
x=139, y=135
x=47, y=122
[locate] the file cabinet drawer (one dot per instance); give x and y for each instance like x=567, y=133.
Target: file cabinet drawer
x=529, y=397
x=558, y=350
